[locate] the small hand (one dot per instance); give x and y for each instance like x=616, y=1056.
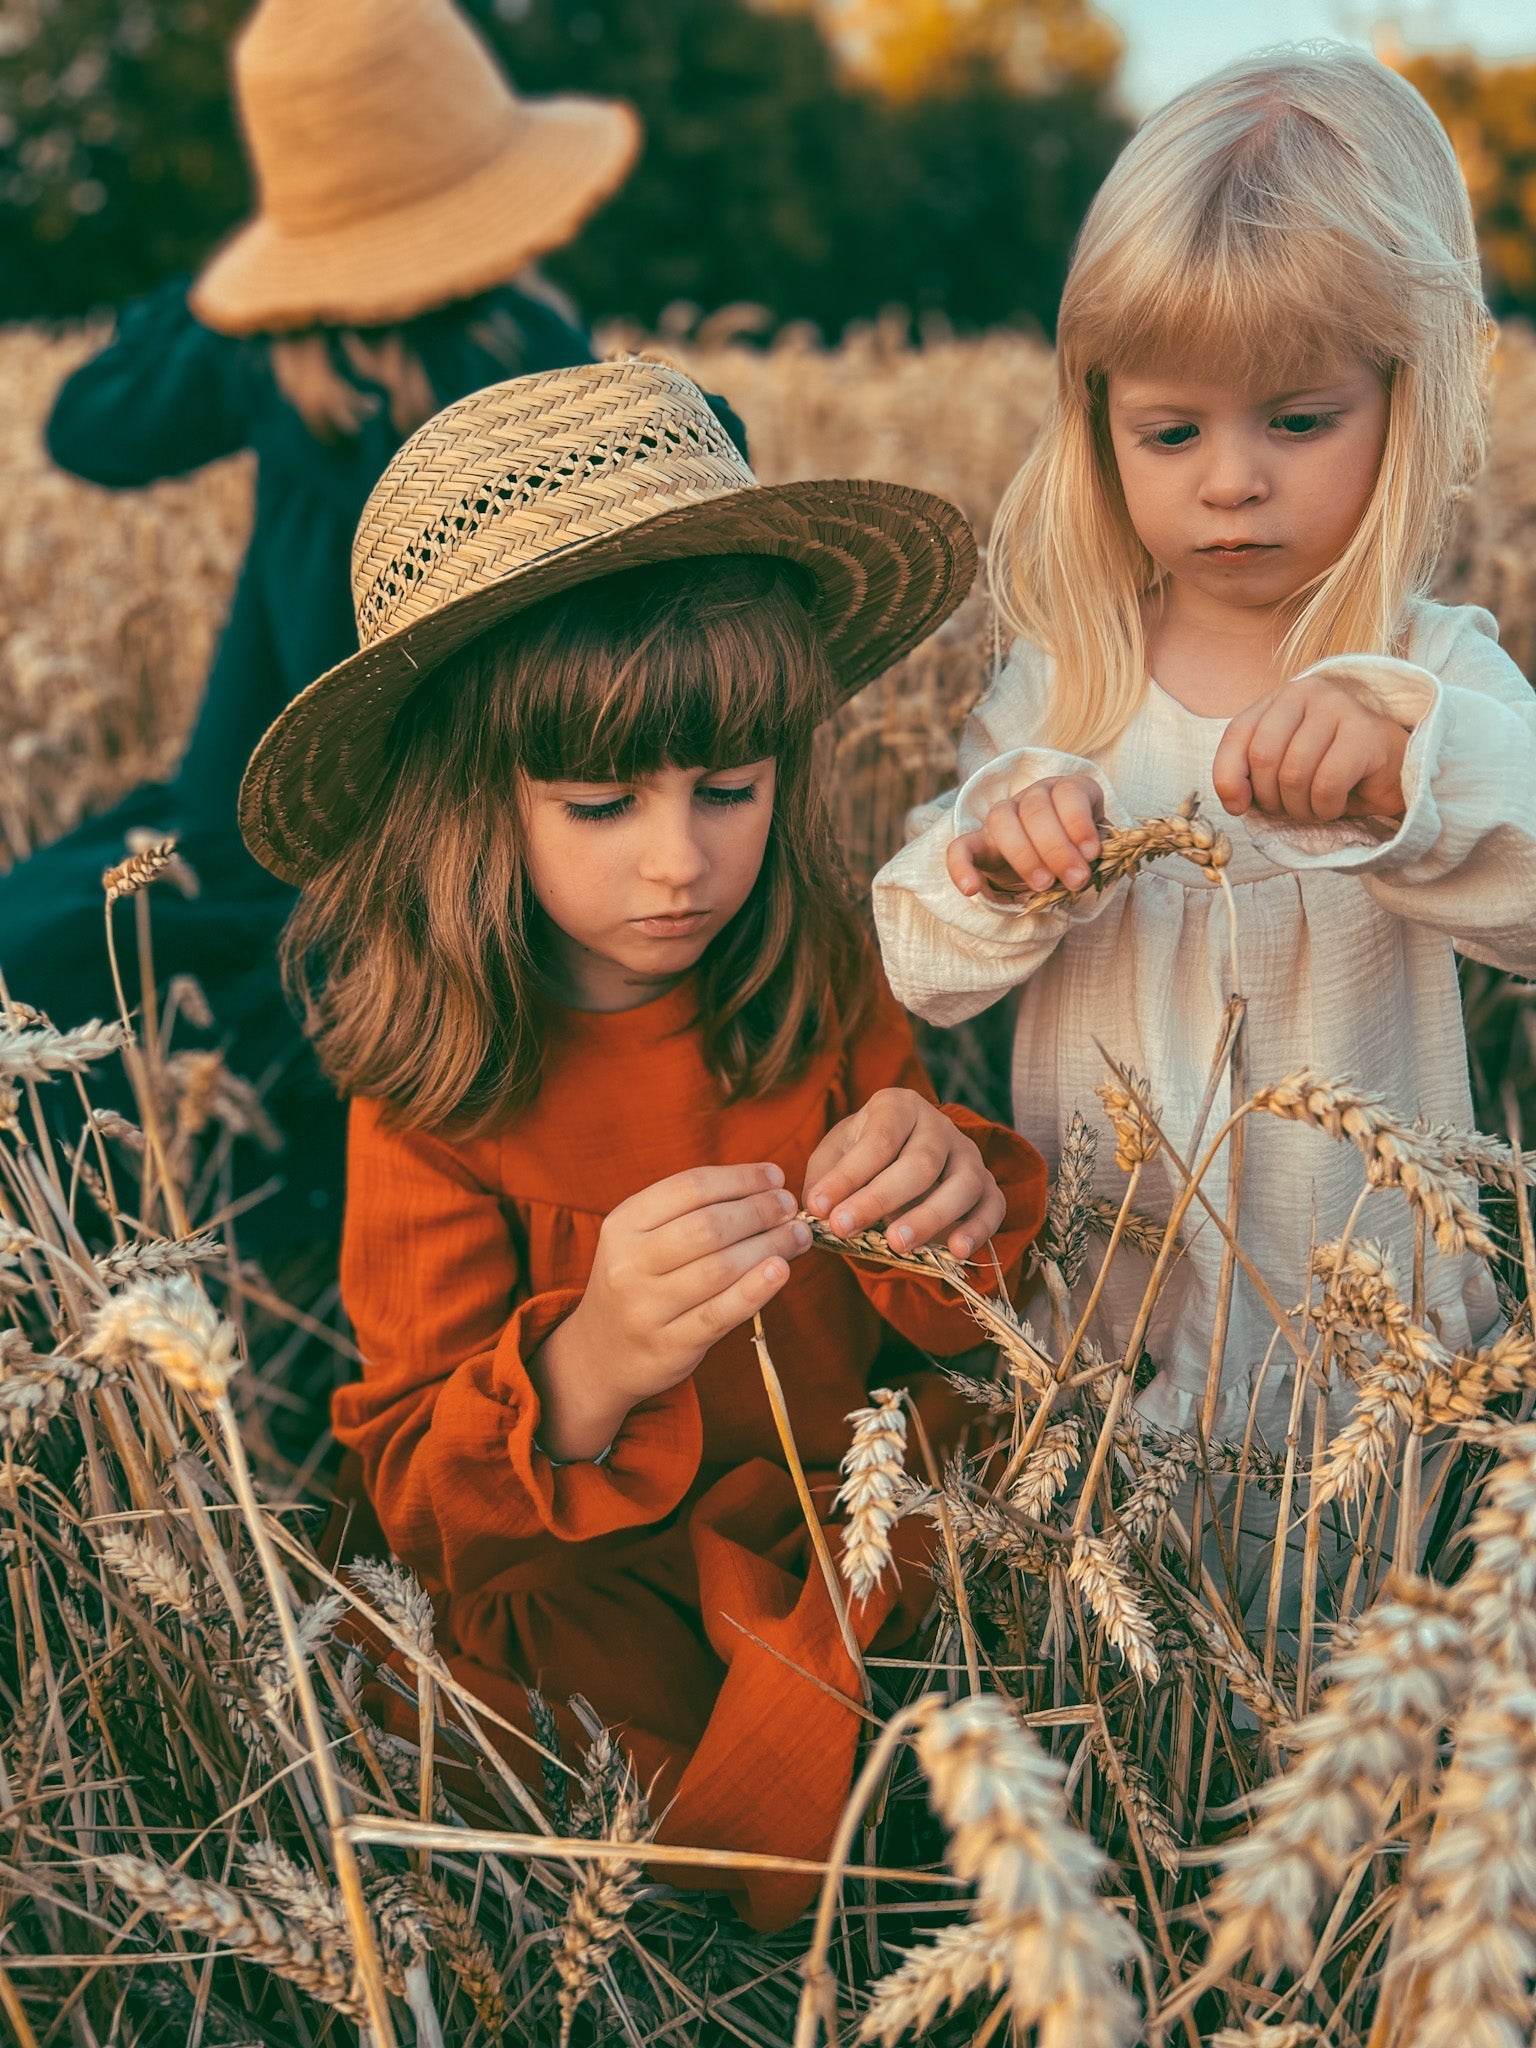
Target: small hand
x=899, y=1160
x=1312, y=751
x=677, y=1267
x=1048, y=833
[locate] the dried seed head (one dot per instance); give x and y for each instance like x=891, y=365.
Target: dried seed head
x=38, y=1053
x=171, y=1324
x=144, y=839
x=1425, y=1165
x=875, y=1489
x=1128, y=1105
x=1125, y=850
x=1068, y=1216
x=138, y=870
x=1098, y=1572
x=1036, y=1880
x=150, y=1569
x=401, y=1598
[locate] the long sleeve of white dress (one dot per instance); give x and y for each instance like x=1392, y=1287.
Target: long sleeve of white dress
x=1346, y=940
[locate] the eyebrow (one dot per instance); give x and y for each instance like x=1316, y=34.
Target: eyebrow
x=1165, y=401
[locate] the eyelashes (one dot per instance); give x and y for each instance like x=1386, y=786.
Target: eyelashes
x=615, y=807
x=1293, y=426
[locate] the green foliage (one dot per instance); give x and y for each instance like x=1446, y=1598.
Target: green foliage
x=119, y=161
x=764, y=178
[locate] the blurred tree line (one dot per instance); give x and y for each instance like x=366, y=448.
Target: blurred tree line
x=945, y=170
x=1490, y=113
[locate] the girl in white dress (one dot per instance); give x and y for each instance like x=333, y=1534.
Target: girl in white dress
x=1272, y=348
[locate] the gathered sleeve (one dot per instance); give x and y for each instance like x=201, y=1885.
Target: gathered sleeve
x=920, y=1306
x=445, y=1416
x=1463, y=858
x=947, y=955
x=163, y=397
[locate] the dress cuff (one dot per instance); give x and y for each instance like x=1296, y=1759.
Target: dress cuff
x=644, y=1473
x=1414, y=697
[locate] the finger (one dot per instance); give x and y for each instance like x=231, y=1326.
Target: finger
x=982, y=1222
x=903, y=1183
x=1338, y=775
x=699, y=1232
x=1229, y=770
x=834, y=1146
x=963, y=861
x=1014, y=846
x=696, y=1188
x=1053, y=844
x=1266, y=750
x=1079, y=806
x=689, y=1289
x=1298, y=767
x=715, y=1318
x=943, y=1207
x=879, y=1132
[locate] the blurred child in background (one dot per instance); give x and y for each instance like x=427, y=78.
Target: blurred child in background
x=401, y=184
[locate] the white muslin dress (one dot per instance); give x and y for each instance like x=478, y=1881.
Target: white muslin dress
x=1347, y=937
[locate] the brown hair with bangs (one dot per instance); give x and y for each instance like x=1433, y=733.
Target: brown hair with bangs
x=415, y=955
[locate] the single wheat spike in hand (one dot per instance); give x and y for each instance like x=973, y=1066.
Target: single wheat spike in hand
x=1125, y=849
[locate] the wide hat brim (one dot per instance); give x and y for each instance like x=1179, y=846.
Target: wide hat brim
x=564, y=158
x=890, y=564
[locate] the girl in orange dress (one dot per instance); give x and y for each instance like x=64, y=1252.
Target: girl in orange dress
x=574, y=937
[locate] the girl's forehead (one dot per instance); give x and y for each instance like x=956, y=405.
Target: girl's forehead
x=1195, y=388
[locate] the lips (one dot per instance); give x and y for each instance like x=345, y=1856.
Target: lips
x=675, y=925
x=1236, y=550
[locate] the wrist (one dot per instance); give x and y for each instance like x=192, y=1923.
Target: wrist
x=581, y=1411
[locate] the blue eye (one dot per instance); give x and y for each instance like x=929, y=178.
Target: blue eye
x=596, y=813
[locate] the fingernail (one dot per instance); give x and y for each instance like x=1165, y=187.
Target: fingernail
x=900, y=1237
x=787, y=1201
x=775, y=1175
x=775, y=1271
x=842, y=1222
x=1076, y=875
x=962, y=1247
x=1040, y=878
x=816, y=1203
x=801, y=1234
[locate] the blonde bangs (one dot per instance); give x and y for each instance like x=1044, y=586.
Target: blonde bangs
x=1293, y=211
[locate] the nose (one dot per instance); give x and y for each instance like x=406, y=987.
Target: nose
x=1234, y=475
x=672, y=857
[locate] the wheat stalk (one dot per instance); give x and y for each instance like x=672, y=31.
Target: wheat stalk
x=875, y=1489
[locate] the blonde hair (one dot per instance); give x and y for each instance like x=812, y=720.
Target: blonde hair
x=1296, y=208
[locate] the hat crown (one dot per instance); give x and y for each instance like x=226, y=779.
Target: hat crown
x=355, y=108
x=519, y=471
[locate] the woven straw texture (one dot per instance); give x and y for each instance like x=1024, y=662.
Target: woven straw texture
x=532, y=486
x=397, y=170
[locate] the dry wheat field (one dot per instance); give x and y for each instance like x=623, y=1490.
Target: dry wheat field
x=1218, y=1742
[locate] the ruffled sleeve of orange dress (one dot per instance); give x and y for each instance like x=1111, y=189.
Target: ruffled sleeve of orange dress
x=445, y=1416
x=883, y=1054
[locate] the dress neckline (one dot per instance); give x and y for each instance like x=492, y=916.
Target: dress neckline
x=1196, y=717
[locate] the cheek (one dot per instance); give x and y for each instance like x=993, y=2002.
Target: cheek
x=567, y=866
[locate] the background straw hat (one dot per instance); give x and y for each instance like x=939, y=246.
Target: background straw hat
x=530, y=487
x=395, y=167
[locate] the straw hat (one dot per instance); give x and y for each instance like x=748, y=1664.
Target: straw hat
x=533, y=486
x=396, y=168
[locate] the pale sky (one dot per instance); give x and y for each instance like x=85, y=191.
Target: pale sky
x=1170, y=43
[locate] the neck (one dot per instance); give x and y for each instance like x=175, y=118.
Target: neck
x=1215, y=658
x=580, y=979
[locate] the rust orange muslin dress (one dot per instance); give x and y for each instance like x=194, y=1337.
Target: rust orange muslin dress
x=673, y=1584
